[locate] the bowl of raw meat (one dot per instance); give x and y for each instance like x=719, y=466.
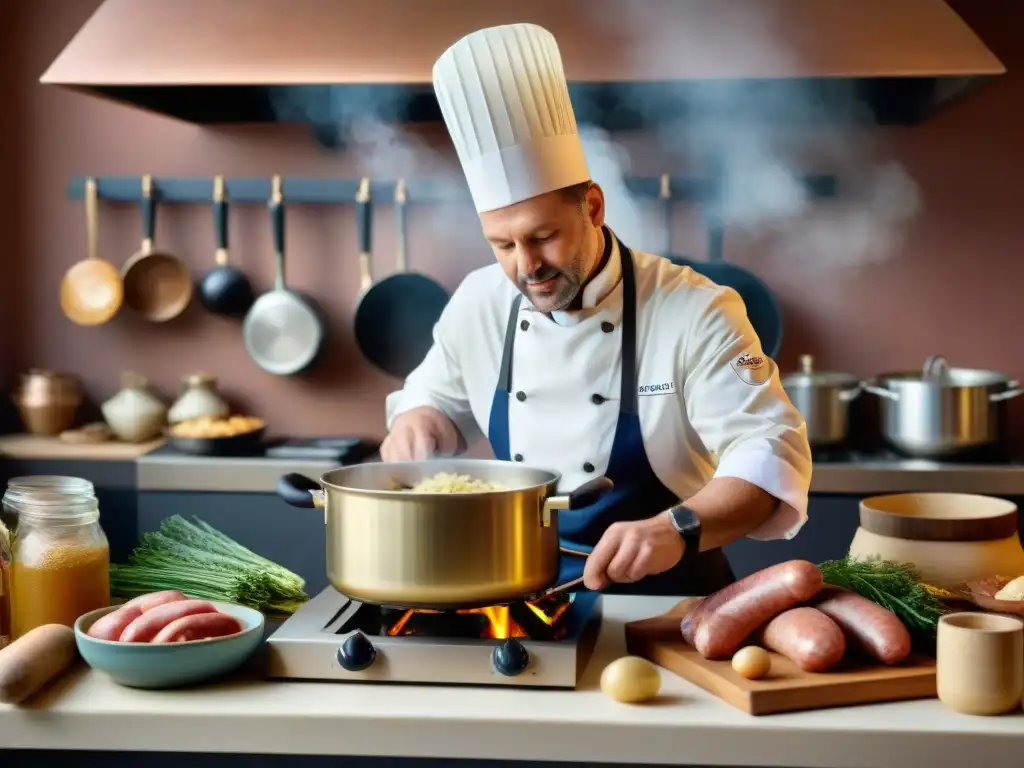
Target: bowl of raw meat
x=168, y=640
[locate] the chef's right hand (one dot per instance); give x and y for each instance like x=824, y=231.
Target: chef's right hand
x=419, y=434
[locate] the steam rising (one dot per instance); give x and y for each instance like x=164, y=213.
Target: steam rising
x=759, y=164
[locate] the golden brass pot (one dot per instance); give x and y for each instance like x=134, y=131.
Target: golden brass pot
x=397, y=548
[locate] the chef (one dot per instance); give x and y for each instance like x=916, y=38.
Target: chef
x=577, y=354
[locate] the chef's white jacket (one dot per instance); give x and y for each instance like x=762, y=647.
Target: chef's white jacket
x=711, y=404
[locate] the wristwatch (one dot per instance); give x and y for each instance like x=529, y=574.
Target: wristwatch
x=686, y=522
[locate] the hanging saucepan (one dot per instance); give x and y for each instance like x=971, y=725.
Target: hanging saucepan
x=762, y=308
x=395, y=319
x=157, y=284
x=939, y=411
x=283, y=330
x=224, y=290
x=405, y=549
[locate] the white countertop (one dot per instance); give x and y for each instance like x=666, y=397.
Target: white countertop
x=685, y=726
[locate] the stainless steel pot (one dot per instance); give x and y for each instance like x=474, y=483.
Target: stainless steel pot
x=823, y=399
x=393, y=547
x=941, y=411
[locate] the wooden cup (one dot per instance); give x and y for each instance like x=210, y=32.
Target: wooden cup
x=980, y=669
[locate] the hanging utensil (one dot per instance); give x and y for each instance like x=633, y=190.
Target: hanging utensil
x=224, y=290
x=395, y=319
x=762, y=308
x=91, y=291
x=283, y=331
x=157, y=284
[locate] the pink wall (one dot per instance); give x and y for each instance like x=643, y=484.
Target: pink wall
x=951, y=288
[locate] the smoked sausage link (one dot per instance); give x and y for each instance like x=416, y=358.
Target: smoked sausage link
x=111, y=626
x=688, y=626
x=146, y=627
x=731, y=615
x=807, y=637
x=872, y=628
x=200, y=626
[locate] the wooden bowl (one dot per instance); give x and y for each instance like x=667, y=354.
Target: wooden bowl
x=939, y=516
x=983, y=594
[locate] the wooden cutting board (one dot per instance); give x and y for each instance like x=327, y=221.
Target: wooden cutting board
x=787, y=688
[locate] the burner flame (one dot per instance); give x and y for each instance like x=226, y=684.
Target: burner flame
x=500, y=622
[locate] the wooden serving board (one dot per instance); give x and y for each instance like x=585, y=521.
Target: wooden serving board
x=786, y=688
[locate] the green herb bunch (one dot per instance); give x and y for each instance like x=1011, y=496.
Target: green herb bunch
x=196, y=559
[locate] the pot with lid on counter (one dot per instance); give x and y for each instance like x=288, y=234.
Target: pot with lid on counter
x=940, y=412
x=823, y=399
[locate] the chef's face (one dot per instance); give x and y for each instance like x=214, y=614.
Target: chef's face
x=549, y=245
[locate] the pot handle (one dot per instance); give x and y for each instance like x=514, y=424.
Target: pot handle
x=1014, y=390
x=849, y=395
x=584, y=496
x=888, y=394
x=298, y=490
x=570, y=571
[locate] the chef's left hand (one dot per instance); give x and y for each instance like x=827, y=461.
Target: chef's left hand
x=632, y=551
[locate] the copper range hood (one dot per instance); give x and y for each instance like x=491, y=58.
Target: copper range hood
x=630, y=61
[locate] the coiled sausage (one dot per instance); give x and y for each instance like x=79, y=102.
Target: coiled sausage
x=868, y=626
x=807, y=637
x=731, y=615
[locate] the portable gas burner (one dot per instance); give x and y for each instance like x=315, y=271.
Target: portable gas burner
x=544, y=643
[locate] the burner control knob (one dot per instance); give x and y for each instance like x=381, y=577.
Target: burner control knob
x=510, y=658
x=356, y=653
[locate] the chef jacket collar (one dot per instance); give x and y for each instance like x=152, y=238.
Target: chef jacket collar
x=602, y=295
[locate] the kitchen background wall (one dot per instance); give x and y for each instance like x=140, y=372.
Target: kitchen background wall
x=951, y=286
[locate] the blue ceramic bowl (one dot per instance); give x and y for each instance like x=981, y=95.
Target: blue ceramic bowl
x=171, y=665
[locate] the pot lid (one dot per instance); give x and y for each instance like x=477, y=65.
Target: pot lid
x=936, y=371
x=807, y=376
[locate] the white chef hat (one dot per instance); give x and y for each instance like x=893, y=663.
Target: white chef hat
x=504, y=98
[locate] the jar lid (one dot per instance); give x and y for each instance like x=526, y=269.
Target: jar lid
x=48, y=494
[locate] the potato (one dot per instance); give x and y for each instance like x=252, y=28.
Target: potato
x=752, y=662
x=631, y=680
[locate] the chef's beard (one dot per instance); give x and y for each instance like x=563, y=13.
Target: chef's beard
x=568, y=282
x=561, y=293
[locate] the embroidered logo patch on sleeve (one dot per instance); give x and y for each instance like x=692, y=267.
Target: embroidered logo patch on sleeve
x=753, y=369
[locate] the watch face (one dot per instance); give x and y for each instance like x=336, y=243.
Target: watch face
x=684, y=519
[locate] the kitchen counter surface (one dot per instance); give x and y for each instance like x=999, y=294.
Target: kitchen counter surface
x=898, y=475
x=29, y=447
x=684, y=727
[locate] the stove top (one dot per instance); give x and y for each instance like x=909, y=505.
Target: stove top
x=541, y=644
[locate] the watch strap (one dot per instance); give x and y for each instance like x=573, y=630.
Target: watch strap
x=687, y=523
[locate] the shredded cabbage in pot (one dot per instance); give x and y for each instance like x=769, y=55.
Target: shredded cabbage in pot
x=445, y=482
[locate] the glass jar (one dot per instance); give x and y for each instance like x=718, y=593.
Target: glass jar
x=60, y=557
x=5, y=588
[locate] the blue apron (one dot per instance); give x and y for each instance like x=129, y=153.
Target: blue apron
x=638, y=493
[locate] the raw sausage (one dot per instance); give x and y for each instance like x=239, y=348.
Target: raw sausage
x=198, y=627
x=867, y=625
x=688, y=626
x=732, y=614
x=807, y=637
x=153, y=599
x=145, y=628
x=35, y=658
x=111, y=626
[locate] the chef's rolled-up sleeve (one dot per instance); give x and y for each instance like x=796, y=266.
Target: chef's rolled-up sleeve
x=736, y=404
x=438, y=381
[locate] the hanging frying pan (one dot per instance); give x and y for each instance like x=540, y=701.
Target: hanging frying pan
x=157, y=284
x=224, y=290
x=91, y=291
x=762, y=308
x=395, y=318
x=283, y=331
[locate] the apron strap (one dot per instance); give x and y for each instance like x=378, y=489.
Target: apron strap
x=628, y=402
x=505, y=376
